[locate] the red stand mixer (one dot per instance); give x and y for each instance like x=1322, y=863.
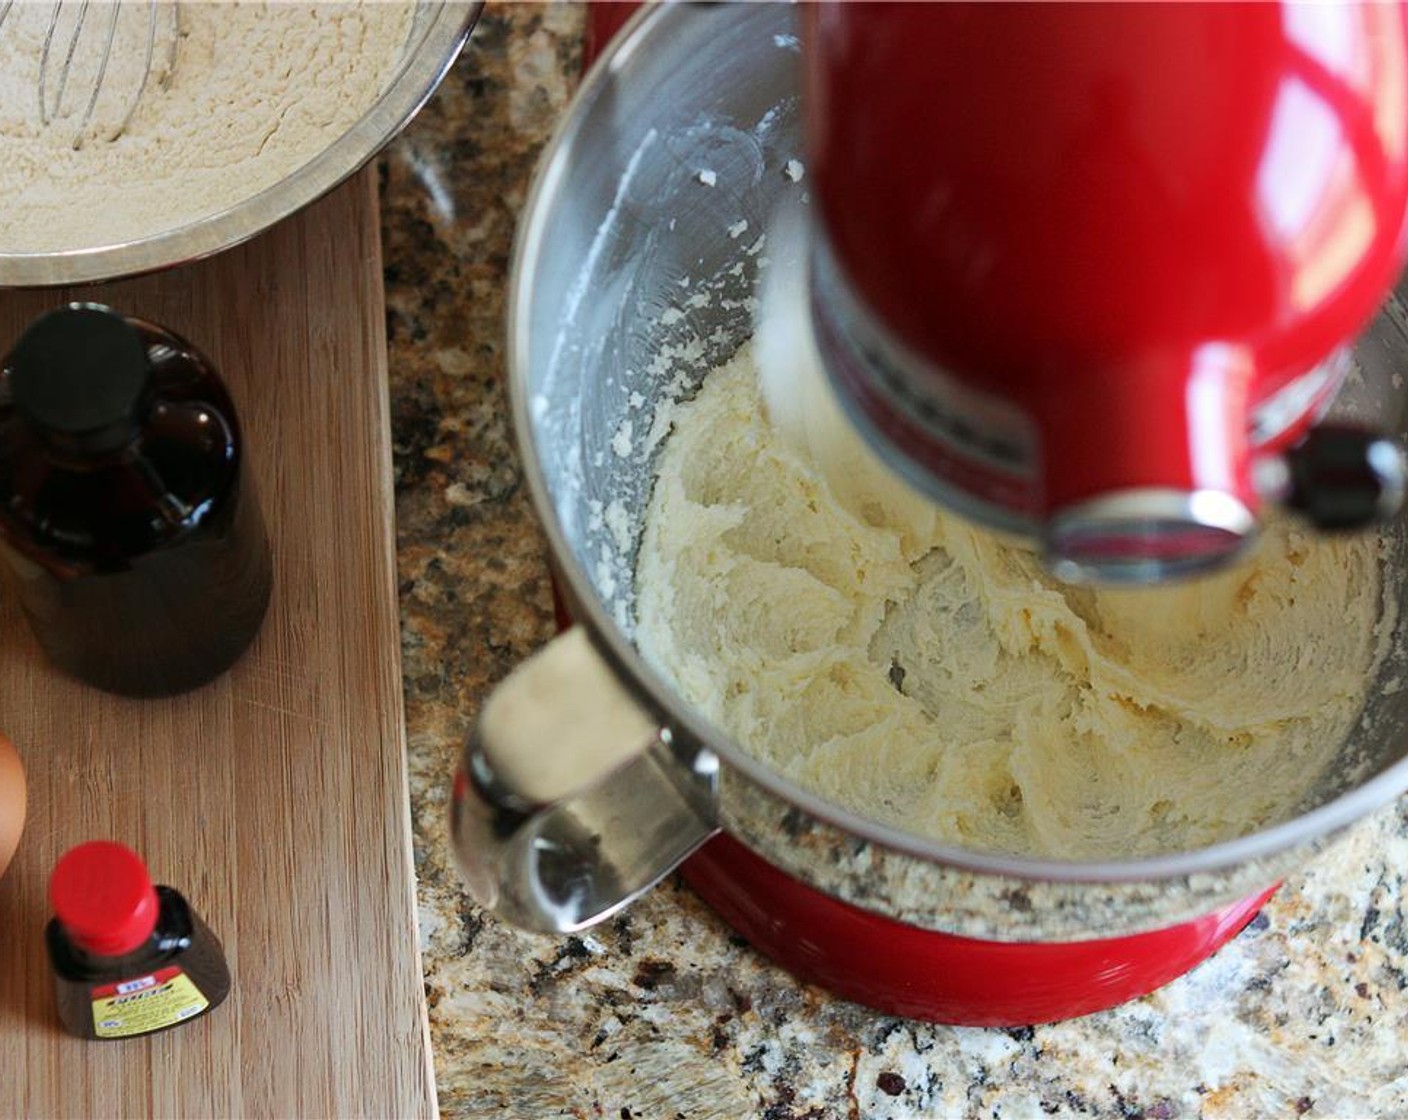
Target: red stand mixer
x=1085, y=272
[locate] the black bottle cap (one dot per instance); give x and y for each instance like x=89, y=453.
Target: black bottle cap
x=79, y=375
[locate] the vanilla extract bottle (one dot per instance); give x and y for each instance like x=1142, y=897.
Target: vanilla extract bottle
x=129, y=958
x=128, y=520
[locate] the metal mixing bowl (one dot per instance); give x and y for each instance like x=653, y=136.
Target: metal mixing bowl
x=438, y=31
x=620, y=239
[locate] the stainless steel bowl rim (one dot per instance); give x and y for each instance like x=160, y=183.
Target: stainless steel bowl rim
x=658, y=694
x=407, y=92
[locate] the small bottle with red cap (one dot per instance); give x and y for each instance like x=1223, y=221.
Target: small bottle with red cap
x=129, y=958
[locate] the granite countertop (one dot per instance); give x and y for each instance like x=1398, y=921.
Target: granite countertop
x=663, y=1012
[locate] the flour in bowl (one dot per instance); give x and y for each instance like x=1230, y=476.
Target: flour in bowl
x=255, y=92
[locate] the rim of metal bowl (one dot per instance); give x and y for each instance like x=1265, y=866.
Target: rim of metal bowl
x=445, y=29
x=656, y=692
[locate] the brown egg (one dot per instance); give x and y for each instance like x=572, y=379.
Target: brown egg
x=12, y=801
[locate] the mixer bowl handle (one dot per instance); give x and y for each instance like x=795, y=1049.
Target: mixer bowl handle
x=571, y=800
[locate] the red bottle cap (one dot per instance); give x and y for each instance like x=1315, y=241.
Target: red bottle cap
x=104, y=898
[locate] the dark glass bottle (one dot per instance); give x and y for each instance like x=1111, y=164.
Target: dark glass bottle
x=128, y=958
x=127, y=515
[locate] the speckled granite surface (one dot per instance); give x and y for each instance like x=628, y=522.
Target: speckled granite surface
x=662, y=1013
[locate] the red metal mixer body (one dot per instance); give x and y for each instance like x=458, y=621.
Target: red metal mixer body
x=1074, y=255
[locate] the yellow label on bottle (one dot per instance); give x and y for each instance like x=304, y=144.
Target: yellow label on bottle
x=145, y=1004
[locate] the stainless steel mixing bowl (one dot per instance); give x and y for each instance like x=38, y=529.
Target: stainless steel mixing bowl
x=438, y=31
x=588, y=775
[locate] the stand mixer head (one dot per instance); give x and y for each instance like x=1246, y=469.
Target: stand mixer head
x=1088, y=272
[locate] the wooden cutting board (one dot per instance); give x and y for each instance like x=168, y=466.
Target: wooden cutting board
x=275, y=798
